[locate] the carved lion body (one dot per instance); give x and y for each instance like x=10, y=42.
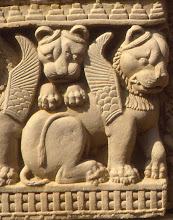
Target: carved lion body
x=55, y=150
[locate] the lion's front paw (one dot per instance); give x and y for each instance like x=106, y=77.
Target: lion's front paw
x=124, y=174
x=155, y=170
x=49, y=98
x=75, y=96
x=8, y=176
x=97, y=174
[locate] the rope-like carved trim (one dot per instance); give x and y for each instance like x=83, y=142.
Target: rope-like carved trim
x=125, y=83
x=134, y=96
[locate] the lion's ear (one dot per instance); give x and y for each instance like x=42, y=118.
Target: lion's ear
x=135, y=36
x=81, y=31
x=42, y=32
x=45, y=35
x=133, y=33
x=162, y=45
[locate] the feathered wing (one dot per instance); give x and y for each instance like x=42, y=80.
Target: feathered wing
x=102, y=79
x=22, y=82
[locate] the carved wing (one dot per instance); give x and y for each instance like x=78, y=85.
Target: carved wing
x=22, y=82
x=102, y=79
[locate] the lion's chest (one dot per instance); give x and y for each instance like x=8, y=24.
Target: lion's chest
x=90, y=116
x=144, y=119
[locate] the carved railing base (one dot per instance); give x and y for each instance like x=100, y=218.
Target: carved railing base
x=84, y=201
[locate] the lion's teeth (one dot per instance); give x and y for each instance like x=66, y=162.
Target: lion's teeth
x=134, y=81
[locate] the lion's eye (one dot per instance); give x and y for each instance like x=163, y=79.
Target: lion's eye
x=143, y=61
x=75, y=57
x=68, y=55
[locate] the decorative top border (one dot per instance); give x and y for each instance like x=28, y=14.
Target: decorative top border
x=101, y=14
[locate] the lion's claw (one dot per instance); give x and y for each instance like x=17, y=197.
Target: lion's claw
x=155, y=170
x=2, y=182
x=75, y=96
x=98, y=174
x=8, y=176
x=124, y=174
x=49, y=98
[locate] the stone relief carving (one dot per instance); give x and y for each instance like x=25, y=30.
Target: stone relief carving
x=142, y=68
x=16, y=100
x=81, y=97
x=62, y=54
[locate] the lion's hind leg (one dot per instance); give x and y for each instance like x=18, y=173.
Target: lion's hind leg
x=74, y=140
x=55, y=150
x=88, y=171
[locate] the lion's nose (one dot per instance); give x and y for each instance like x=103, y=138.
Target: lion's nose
x=160, y=71
x=161, y=74
x=61, y=66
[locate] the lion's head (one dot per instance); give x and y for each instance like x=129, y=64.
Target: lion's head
x=142, y=60
x=62, y=52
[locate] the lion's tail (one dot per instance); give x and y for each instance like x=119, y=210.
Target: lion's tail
x=41, y=146
x=23, y=177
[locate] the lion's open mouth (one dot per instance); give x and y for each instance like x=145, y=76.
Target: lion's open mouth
x=152, y=84
x=61, y=78
x=134, y=81
x=72, y=73
x=155, y=89
x=151, y=87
